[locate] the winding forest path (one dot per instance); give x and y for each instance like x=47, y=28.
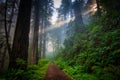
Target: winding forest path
x=54, y=73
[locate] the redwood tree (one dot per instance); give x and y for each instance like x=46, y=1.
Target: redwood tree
x=36, y=32
x=21, y=37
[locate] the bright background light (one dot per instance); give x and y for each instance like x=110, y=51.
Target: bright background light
x=57, y=3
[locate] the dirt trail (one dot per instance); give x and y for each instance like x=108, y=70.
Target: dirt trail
x=54, y=73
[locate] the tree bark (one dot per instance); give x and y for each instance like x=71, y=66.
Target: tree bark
x=21, y=37
x=78, y=6
x=6, y=33
x=11, y=16
x=36, y=33
x=44, y=40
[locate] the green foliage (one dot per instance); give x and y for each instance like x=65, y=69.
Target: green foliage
x=15, y=74
x=33, y=72
x=88, y=77
x=43, y=62
x=20, y=63
x=65, y=67
x=108, y=76
x=37, y=72
x=97, y=70
x=77, y=72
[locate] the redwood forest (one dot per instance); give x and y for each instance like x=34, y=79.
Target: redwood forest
x=59, y=39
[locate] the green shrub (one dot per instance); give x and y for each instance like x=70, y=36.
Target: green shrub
x=15, y=74
x=97, y=70
x=33, y=72
x=88, y=77
x=37, y=72
x=108, y=76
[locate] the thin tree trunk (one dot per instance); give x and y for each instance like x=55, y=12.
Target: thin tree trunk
x=3, y=59
x=40, y=45
x=42, y=37
x=98, y=7
x=44, y=41
x=6, y=33
x=7, y=46
x=11, y=17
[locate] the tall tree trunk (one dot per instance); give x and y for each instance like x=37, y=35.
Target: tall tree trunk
x=78, y=6
x=44, y=40
x=11, y=16
x=6, y=33
x=42, y=37
x=21, y=37
x=44, y=28
x=7, y=48
x=36, y=33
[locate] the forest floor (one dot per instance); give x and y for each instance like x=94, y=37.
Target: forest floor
x=54, y=73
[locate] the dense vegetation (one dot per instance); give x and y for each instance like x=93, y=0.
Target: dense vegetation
x=33, y=72
x=95, y=54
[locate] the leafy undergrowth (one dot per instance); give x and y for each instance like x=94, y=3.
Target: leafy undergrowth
x=80, y=72
x=37, y=72
x=33, y=72
x=76, y=72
